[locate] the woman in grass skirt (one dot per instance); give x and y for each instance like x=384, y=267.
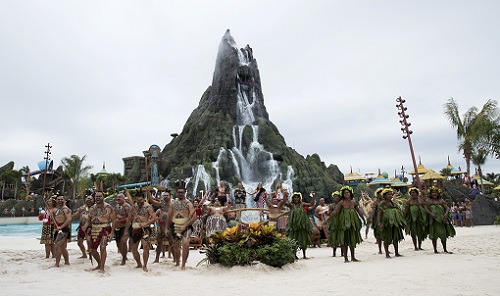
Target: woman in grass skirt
x=416, y=218
x=390, y=222
x=439, y=223
x=298, y=226
x=345, y=225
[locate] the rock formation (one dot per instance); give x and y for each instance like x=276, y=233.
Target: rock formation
x=229, y=136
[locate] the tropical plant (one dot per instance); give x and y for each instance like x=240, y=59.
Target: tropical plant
x=27, y=183
x=211, y=252
x=236, y=254
x=74, y=170
x=112, y=180
x=474, y=128
x=244, y=245
x=479, y=158
x=445, y=172
x=493, y=177
x=277, y=254
x=9, y=176
x=491, y=140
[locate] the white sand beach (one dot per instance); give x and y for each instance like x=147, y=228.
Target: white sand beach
x=472, y=269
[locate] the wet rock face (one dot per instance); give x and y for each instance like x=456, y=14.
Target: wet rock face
x=484, y=207
x=229, y=136
x=484, y=210
x=236, y=71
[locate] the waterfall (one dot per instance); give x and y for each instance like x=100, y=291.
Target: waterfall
x=200, y=175
x=244, y=110
x=236, y=164
x=247, y=159
x=215, y=164
x=252, y=163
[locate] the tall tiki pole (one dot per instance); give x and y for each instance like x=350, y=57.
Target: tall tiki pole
x=47, y=158
x=406, y=135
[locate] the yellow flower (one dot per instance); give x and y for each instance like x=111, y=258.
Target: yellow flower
x=254, y=225
x=267, y=229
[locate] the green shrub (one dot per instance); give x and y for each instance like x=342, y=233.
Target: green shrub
x=236, y=254
x=277, y=254
x=212, y=255
x=242, y=245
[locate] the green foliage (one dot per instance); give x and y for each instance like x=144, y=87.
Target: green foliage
x=212, y=254
x=74, y=171
x=277, y=254
x=445, y=172
x=476, y=130
x=232, y=254
x=18, y=205
x=401, y=201
x=9, y=203
x=497, y=220
x=242, y=246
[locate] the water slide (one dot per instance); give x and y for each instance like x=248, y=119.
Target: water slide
x=133, y=185
x=42, y=165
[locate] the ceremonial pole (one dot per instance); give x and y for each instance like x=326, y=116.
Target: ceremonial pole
x=47, y=159
x=406, y=135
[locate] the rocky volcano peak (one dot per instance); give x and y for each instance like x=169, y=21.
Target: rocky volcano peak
x=230, y=138
x=237, y=74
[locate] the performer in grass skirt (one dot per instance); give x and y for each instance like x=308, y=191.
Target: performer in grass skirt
x=346, y=225
x=330, y=226
x=390, y=223
x=439, y=222
x=298, y=226
x=372, y=219
x=416, y=218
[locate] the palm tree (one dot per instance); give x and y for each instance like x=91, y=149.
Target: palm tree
x=479, y=158
x=445, y=172
x=493, y=177
x=27, y=183
x=115, y=179
x=9, y=176
x=74, y=170
x=491, y=141
x=473, y=128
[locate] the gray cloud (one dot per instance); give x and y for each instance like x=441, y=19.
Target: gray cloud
x=108, y=79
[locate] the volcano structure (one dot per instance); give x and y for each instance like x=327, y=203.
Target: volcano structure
x=229, y=137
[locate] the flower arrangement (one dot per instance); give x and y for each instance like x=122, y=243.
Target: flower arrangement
x=240, y=245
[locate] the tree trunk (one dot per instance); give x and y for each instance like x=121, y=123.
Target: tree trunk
x=467, y=163
x=481, y=178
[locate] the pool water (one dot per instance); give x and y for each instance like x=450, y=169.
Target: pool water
x=27, y=230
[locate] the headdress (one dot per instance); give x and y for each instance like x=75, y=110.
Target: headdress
x=434, y=188
x=297, y=194
x=414, y=189
x=335, y=193
x=349, y=188
x=378, y=192
x=387, y=190
x=180, y=184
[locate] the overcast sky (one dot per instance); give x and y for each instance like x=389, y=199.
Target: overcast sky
x=107, y=79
